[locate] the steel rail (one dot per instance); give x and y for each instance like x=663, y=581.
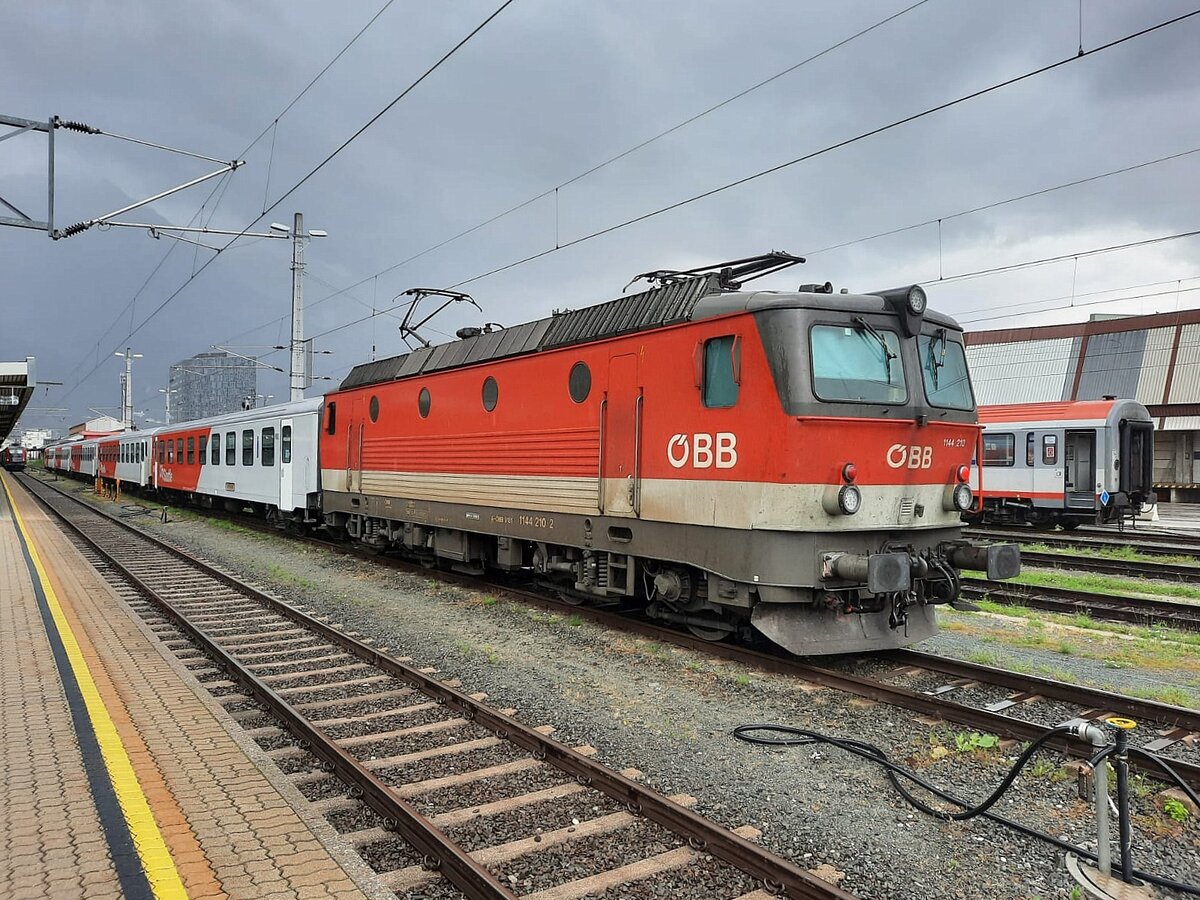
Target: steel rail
x=925, y=704
x=1114, y=607
x=1143, y=542
x=702, y=833
x=1162, y=571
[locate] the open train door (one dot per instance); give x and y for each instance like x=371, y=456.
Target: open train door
x=1079, y=470
x=620, y=462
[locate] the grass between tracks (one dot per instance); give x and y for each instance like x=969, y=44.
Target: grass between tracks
x=1126, y=554
x=1106, y=584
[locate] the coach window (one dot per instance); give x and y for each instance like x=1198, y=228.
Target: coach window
x=331, y=418
x=160, y=452
x=216, y=449
x=1050, y=449
x=248, y=447
x=999, y=449
x=285, y=440
x=721, y=375
x=423, y=403
x=179, y=450
x=191, y=451
x=203, y=449
x=268, y=447
x=231, y=448
x=170, y=451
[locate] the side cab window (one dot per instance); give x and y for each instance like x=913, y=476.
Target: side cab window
x=721, y=374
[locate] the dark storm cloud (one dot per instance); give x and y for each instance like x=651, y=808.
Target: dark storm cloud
x=546, y=91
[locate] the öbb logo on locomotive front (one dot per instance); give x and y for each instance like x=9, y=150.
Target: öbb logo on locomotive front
x=915, y=456
x=704, y=451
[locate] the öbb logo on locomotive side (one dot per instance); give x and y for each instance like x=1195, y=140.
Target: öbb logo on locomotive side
x=703, y=451
x=914, y=456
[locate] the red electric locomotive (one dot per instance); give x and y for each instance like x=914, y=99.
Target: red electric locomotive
x=792, y=462
x=13, y=458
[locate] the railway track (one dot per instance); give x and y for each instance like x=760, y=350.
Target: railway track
x=1110, y=607
x=983, y=698
x=1157, y=571
x=352, y=725
x=1143, y=542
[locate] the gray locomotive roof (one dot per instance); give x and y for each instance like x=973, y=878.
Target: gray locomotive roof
x=689, y=300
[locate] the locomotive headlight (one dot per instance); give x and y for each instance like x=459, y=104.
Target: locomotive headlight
x=849, y=499
x=962, y=497
x=916, y=300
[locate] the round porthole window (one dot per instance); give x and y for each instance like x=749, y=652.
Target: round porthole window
x=580, y=382
x=423, y=402
x=374, y=409
x=491, y=393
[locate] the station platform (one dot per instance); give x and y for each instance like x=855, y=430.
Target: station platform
x=121, y=776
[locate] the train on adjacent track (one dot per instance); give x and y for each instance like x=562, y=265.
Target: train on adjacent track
x=13, y=458
x=794, y=463
x=1064, y=464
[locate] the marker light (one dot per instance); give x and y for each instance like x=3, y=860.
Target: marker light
x=962, y=473
x=962, y=498
x=849, y=472
x=916, y=300
x=849, y=499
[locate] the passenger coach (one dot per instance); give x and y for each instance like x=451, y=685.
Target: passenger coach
x=1068, y=464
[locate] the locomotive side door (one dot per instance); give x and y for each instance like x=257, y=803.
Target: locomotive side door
x=354, y=446
x=622, y=437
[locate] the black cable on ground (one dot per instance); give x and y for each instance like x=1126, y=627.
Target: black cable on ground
x=795, y=737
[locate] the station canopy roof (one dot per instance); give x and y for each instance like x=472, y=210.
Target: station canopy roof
x=17, y=382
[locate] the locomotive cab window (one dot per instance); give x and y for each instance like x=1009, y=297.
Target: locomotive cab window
x=944, y=371
x=721, y=375
x=285, y=441
x=216, y=448
x=999, y=449
x=268, y=446
x=857, y=363
x=231, y=448
x=248, y=447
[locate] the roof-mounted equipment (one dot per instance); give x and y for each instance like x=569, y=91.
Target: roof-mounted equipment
x=730, y=275
x=909, y=303
x=826, y=288
x=408, y=330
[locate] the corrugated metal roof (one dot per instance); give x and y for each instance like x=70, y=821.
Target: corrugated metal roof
x=1185, y=383
x=1112, y=365
x=1022, y=372
x=1155, y=360
x=648, y=309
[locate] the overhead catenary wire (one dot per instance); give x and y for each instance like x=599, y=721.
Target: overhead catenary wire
x=223, y=184
x=340, y=148
x=814, y=154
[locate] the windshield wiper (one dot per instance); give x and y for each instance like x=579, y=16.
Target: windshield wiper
x=938, y=362
x=888, y=355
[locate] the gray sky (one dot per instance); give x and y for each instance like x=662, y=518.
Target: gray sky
x=546, y=91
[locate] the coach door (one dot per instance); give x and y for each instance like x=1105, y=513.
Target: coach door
x=1079, y=462
x=621, y=464
x=286, y=503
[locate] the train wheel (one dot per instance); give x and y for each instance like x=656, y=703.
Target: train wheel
x=709, y=634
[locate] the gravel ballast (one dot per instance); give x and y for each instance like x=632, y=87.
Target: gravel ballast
x=669, y=713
